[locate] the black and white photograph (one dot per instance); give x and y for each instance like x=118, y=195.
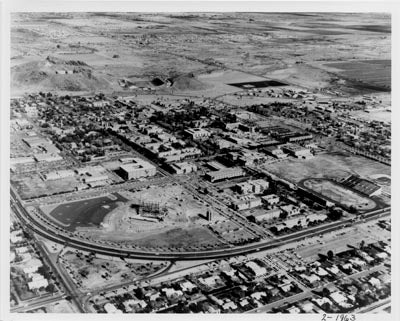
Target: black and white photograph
x=173, y=161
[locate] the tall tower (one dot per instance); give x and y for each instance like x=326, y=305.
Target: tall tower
x=209, y=215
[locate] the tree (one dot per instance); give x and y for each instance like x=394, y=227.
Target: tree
x=326, y=307
x=335, y=214
x=353, y=209
x=51, y=288
x=325, y=292
x=45, y=271
x=283, y=215
x=330, y=255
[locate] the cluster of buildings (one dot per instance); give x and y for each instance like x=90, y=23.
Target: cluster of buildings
x=232, y=288
x=86, y=177
x=162, y=145
x=344, y=262
x=225, y=173
x=41, y=150
x=280, y=92
x=25, y=263
x=236, y=287
x=299, y=222
x=332, y=119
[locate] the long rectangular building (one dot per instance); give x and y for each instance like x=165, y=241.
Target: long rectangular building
x=136, y=169
x=225, y=174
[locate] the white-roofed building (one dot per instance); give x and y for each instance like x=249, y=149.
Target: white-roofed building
x=211, y=281
x=137, y=169
x=270, y=199
x=35, y=276
x=32, y=266
x=290, y=209
x=33, y=285
x=197, y=133
x=15, y=237
x=110, y=308
x=382, y=255
x=187, y=286
x=172, y=293
x=310, y=278
x=183, y=168
x=333, y=269
x=230, y=305
x=340, y=299
x=22, y=249
x=258, y=295
x=256, y=269
x=375, y=282
x=130, y=304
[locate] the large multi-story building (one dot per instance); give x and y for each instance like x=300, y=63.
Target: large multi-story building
x=265, y=215
x=271, y=199
x=246, y=202
x=255, y=186
x=136, y=169
x=225, y=173
x=183, y=168
x=197, y=133
x=275, y=152
x=297, y=151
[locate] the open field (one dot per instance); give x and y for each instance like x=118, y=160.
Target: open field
x=337, y=165
x=378, y=115
x=85, y=213
x=374, y=73
x=339, y=194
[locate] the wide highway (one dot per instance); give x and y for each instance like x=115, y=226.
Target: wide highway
x=41, y=229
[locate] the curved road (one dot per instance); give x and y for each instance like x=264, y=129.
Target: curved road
x=44, y=231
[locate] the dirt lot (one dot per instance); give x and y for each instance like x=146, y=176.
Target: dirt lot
x=327, y=165
x=95, y=273
x=186, y=239
x=62, y=306
x=182, y=208
x=31, y=185
x=379, y=115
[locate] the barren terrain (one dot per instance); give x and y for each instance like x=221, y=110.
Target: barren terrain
x=185, y=48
